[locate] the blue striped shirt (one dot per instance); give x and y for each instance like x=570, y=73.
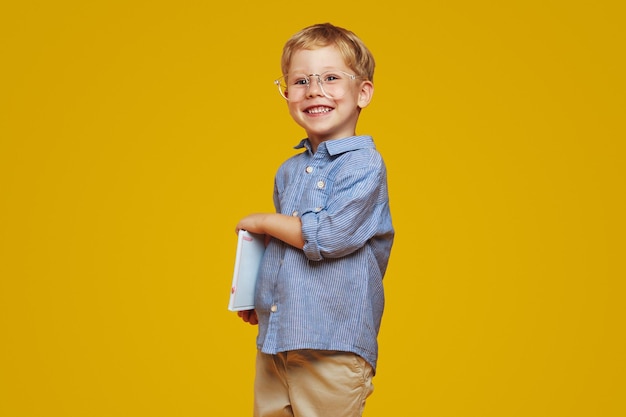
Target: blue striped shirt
x=329, y=294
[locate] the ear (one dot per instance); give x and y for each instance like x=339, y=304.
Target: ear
x=365, y=94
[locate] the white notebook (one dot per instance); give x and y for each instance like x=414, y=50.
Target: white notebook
x=250, y=249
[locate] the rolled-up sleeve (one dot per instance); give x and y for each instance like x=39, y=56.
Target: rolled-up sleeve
x=352, y=213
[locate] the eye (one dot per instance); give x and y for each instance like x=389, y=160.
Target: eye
x=329, y=78
x=300, y=81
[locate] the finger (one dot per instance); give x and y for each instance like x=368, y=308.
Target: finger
x=253, y=317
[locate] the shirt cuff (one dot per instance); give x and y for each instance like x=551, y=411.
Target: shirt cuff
x=309, y=234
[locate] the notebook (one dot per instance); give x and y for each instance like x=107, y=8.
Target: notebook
x=250, y=249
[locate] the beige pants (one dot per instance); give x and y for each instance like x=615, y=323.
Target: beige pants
x=311, y=383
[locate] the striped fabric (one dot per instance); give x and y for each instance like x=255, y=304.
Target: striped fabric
x=329, y=294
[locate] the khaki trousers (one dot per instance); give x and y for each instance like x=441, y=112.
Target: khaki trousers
x=311, y=383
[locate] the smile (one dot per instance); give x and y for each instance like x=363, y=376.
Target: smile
x=318, y=110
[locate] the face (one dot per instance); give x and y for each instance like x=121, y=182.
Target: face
x=324, y=118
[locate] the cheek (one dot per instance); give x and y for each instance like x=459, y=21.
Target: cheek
x=297, y=116
x=293, y=109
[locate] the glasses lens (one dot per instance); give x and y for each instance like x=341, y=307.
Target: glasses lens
x=293, y=87
x=335, y=83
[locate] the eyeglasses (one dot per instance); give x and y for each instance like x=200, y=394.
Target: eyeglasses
x=332, y=84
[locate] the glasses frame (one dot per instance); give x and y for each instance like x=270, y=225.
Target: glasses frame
x=320, y=83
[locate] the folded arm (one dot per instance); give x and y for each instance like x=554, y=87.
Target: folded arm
x=279, y=226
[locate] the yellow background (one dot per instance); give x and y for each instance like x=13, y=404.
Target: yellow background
x=134, y=135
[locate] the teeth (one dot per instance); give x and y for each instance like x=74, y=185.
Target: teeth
x=318, y=110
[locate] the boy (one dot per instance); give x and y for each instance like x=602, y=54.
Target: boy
x=319, y=296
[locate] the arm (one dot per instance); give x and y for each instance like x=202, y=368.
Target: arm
x=280, y=226
x=351, y=215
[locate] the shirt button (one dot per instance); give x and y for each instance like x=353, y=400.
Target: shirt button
x=309, y=169
x=295, y=213
x=320, y=184
x=274, y=308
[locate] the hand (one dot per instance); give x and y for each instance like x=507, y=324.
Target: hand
x=249, y=316
x=252, y=223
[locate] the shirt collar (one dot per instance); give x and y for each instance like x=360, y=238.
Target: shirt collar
x=337, y=146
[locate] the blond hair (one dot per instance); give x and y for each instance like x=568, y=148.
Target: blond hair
x=356, y=55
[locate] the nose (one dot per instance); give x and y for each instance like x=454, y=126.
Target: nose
x=315, y=87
